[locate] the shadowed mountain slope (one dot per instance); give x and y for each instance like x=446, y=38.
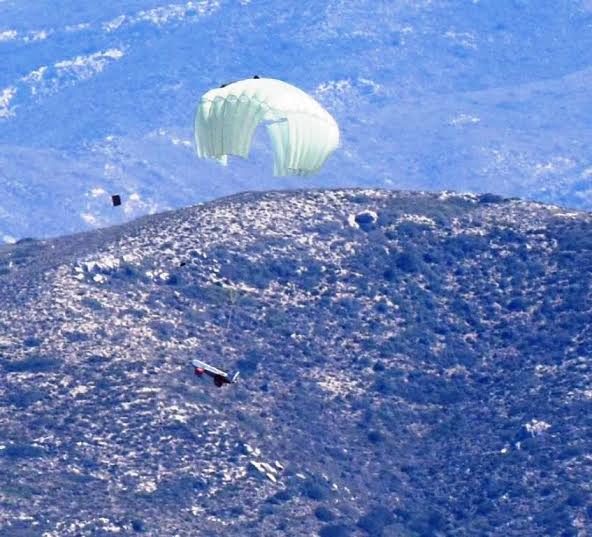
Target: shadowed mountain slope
x=412, y=364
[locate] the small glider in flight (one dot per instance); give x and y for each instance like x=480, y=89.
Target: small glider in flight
x=220, y=377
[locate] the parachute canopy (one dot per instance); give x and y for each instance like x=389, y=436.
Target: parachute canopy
x=303, y=134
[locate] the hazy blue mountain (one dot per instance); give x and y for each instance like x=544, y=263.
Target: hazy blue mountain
x=478, y=95
x=412, y=365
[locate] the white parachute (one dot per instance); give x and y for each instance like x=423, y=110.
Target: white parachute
x=303, y=134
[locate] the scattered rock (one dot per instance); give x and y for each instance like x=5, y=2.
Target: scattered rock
x=364, y=220
x=264, y=469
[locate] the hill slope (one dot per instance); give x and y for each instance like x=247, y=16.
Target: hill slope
x=413, y=364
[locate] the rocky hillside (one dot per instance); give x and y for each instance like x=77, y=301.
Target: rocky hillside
x=412, y=364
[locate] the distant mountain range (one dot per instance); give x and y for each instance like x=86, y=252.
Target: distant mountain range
x=412, y=365
x=482, y=96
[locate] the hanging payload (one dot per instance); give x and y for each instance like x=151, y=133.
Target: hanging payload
x=303, y=134
x=220, y=377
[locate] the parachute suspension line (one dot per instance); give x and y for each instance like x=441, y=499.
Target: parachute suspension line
x=233, y=299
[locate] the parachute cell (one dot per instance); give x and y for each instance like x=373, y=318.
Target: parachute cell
x=303, y=134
